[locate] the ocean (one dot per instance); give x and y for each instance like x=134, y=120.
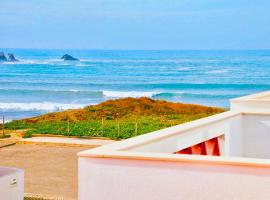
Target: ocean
x=41, y=82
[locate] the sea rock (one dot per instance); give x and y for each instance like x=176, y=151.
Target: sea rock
x=2, y=57
x=11, y=57
x=68, y=57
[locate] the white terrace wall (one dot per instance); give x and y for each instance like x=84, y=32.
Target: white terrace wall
x=256, y=138
x=250, y=105
x=121, y=179
x=231, y=128
x=129, y=178
x=259, y=102
x=11, y=183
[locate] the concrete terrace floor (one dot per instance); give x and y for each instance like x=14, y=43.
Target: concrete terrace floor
x=49, y=170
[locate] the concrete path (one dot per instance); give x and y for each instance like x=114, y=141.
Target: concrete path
x=64, y=141
x=6, y=143
x=50, y=163
x=49, y=170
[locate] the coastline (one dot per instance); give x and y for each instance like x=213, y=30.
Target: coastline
x=114, y=119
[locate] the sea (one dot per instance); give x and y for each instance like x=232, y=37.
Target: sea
x=40, y=82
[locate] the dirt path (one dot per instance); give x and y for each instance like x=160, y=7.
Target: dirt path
x=49, y=170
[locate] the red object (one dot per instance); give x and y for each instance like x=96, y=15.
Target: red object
x=209, y=147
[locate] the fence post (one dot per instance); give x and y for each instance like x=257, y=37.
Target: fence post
x=3, y=126
x=68, y=128
x=136, y=128
x=118, y=128
x=102, y=125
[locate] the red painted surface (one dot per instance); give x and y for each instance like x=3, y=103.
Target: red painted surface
x=209, y=147
x=199, y=149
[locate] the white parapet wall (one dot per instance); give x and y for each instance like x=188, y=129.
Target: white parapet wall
x=11, y=183
x=146, y=167
x=137, y=179
x=182, y=136
x=252, y=103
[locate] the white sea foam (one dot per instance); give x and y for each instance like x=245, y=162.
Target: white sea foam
x=31, y=62
x=83, y=65
x=73, y=90
x=222, y=71
x=139, y=60
x=36, y=106
x=38, y=62
x=184, y=69
x=135, y=94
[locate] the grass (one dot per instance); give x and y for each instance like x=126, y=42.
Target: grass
x=4, y=136
x=114, y=119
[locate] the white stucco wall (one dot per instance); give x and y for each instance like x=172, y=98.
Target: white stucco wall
x=233, y=138
x=103, y=179
x=231, y=128
x=11, y=183
x=246, y=135
x=259, y=102
x=250, y=105
x=256, y=140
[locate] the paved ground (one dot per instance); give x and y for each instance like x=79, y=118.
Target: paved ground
x=49, y=170
x=66, y=141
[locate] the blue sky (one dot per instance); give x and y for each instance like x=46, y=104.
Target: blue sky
x=135, y=24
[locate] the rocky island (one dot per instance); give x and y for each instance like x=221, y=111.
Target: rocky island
x=11, y=58
x=68, y=57
x=2, y=57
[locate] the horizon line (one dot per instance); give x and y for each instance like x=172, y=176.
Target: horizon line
x=101, y=49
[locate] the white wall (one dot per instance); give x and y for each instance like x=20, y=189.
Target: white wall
x=103, y=179
x=256, y=140
x=11, y=183
x=234, y=138
x=250, y=105
x=231, y=128
x=246, y=135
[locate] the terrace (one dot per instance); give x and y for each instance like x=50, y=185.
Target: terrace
x=226, y=153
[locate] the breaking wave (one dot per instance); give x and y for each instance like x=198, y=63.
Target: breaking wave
x=135, y=94
x=36, y=106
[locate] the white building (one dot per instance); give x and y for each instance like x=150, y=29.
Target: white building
x=230, y=159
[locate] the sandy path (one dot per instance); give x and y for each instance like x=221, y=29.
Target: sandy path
x=49, y=170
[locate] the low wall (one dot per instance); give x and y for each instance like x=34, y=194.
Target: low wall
x=121, y=179
x=11, y=183
x=256, y=136
x=145, y=167
x=227, y=124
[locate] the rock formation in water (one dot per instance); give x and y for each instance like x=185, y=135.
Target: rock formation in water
x=68, y=57
x=11, y=58
x=2, y=57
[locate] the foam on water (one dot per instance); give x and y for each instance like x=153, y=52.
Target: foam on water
x=222, y=71
x=44, y=106
x=135, y=94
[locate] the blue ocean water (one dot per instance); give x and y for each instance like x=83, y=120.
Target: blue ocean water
x=40, y=82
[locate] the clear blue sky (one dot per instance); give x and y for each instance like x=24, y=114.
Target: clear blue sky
x=135, y=24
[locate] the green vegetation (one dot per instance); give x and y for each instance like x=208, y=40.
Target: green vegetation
x=115, y=119
x=4, y=136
